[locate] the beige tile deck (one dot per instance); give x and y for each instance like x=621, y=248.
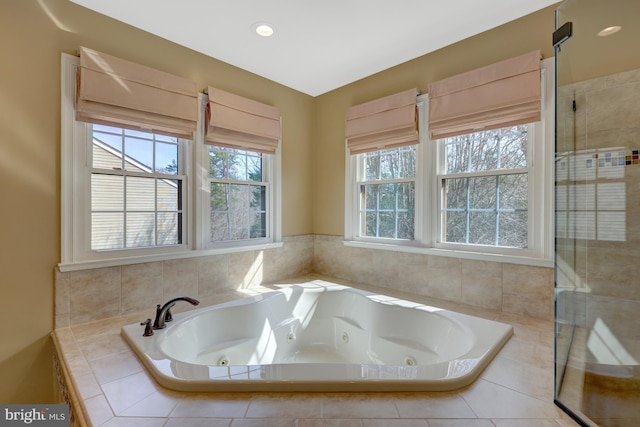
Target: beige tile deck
x=516, y=390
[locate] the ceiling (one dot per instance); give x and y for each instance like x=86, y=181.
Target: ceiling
x=317, y=46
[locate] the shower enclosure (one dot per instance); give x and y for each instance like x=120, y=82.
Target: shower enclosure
x=597, y=184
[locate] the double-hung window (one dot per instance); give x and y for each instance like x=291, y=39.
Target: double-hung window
x=137, y=181
x=131, y=193
x=484, y=186
x=479, y=194
x=124, y=192
x=240, y=194
x=241, y=184
x=386, y=183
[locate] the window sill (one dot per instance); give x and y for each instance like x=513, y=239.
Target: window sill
x=116, y=262
x=510, y=259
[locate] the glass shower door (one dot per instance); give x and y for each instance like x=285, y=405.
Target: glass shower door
x=597, y=189
x=565, y=253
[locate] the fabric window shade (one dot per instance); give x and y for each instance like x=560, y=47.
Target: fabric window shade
x=116, y=92
x=503, y=94
x=238, y=122
x=387, y=122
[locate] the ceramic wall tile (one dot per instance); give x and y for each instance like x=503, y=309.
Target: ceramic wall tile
x=180, y=277
x=589, y=85
x=472, y=282
x=611, y=271
x=94, y=294
x=386, y=267
x=331, y=256
x=246, y=269
x=293, y=259
x=482, y=284
x=613, y=108
x=413, y=278
x=443, y=282
x=61, y=299
x=141, y=286
x=626, y=77
x=612, y=319
x=527, y=290
x=213, y=274
x=131, y=288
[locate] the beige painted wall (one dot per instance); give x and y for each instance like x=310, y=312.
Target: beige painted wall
x=518, y=37
x=33, y=33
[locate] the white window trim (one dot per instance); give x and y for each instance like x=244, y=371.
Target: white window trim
x=426, y=227
x=534, y=177
x=352, y=208
x=74, y=238
x=202, y=193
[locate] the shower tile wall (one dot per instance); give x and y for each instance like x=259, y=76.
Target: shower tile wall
x=606, y=198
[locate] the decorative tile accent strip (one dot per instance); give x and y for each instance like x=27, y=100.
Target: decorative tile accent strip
x=64, y=391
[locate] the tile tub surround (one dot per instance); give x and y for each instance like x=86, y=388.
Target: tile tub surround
x=113, y=388
x=510, y=288
x=90, y=295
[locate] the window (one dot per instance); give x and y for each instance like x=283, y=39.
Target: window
x=239, y=195
x=125, y=193
x=484, y=187
x=386, y=183
x=477, y=195
x=136, y=189
x=139, y=195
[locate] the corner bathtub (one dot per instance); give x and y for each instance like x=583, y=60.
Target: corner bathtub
x=319, y=337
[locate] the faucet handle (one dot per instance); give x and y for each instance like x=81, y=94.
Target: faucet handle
x=157, y=322
x=148, y=330
x=168, y=317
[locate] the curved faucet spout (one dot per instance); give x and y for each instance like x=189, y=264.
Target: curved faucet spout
x=163, y=314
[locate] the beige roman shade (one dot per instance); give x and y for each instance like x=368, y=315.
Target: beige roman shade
x=120, y=93
x=387, y=122
x=503, y=94
x=238, y=122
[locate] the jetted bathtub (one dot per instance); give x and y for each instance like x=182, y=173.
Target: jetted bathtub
x=319, y=337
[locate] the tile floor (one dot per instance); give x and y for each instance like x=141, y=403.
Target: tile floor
x=113, y=389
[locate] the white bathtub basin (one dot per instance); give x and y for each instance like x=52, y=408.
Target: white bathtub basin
x=319, y=337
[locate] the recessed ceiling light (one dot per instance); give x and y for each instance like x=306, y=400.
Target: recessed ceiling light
x=263, y=29
x=609, y=30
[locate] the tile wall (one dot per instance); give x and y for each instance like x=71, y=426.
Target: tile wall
x=89, y=295
x=505, y=287
x=605, y=248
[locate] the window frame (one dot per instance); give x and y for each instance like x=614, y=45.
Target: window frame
x=430, y=160
x=83, y=250
x=534, y=148
x=354, y=170
x=361, y=180
x=75, y=173
x=270, y=167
